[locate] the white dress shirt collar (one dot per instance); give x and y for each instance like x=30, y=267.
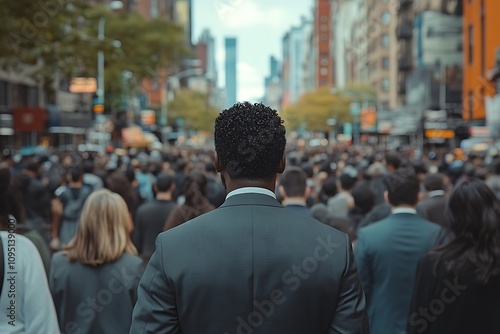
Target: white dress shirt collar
x=404, y=210
x=435, y=193
x=251, y=190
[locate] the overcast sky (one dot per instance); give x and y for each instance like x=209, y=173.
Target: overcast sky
x=259, y=26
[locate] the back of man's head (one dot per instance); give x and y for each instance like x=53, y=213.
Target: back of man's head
x=434, y=182
x=403, y=188
x=250, y=141
x=164, y=182
x=347, y=181
x=31, y=165
x=294, y=182
x=76, y=174
x=392, y=160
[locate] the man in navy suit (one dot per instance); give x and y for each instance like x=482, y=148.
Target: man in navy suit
x=251, y=266
x=388, y=251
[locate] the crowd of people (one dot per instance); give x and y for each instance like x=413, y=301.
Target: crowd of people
x=424, y=229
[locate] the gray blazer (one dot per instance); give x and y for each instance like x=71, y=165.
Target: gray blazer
x=251, y=266
x=433, y=209
x=94, y=299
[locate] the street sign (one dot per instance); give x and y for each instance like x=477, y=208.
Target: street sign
x=83, y=85
x=442, y=134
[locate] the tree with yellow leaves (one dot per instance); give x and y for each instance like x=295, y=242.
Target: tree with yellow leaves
x=314, y=108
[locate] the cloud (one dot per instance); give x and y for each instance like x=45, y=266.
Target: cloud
x=247, y=14
x=250, y=82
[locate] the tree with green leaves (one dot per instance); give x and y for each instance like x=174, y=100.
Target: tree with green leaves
x=194, y=109
x=53, y=39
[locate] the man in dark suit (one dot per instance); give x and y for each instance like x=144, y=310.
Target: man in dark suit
x=294, y=191
x=152, y=215
x=432, y=208
x=251, y=266
x=387, y=253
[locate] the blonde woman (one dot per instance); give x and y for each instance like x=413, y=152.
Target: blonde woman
x=94, y=279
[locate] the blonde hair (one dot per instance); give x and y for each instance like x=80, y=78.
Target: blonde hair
x=103, y=234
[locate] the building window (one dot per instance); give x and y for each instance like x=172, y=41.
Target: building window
x=323, y=71
x=324, y=19
x=324, y=62
x=324, y=27
x=385, y=63
x=471, y=44
x=385, y=40
x=385, y=17
x=324, y=37
x=385, y=84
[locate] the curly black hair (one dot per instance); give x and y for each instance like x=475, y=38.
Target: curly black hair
x=250, y=141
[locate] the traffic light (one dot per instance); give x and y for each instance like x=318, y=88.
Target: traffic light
x=98, y=108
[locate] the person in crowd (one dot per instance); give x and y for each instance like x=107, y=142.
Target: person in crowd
x=93, y=280
x=181, y=170
x=216, y=193
x=36, y=198
x=493, y=181
x=118, y=183
x=376, y=173
x=196, y=201
x=308, y=169
x=392, y=161
x=72, y=198
x=433, y=206
x=328, y=190
x=25, y=301
x=340, y=204
x=457, y=286
x=151, y=216
x=387, y=254
x=294, y=191
x=89, y=177
x=245, y=260
x=364, y=201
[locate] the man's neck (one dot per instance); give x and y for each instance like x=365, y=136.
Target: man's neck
x=233, y=184
x=294, y=201
x=404, y=206
x=164, y=196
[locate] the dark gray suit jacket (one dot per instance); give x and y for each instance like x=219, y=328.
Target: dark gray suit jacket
x=251, y=266
x=433, y=209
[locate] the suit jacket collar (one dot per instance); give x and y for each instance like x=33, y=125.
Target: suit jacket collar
x=251, y=199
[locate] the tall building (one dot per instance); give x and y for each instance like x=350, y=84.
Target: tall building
x=295, y=51
x=357, y=48
x=322, y=57
x=272, y=85
x=345, y=14
x=382, y=51
x=481, y=45
x=230, y=66
x=183, y=14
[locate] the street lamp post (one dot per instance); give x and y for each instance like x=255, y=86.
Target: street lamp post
x=114, y=5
